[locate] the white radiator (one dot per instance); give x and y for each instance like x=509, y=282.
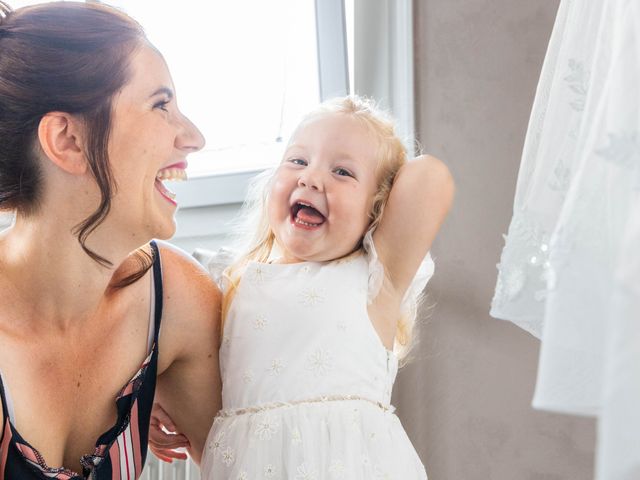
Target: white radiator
x=178, y=470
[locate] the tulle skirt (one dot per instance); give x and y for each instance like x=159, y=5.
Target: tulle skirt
x=350, y=439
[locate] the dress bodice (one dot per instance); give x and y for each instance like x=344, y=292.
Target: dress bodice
x=301, y=331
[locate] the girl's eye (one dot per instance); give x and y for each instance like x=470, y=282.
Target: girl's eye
x=298, y=161
x=343, y=172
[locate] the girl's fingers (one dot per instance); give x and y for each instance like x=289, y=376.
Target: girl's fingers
x=163, y=436
x=161, y=439
x=162, y=418
x=168, y=455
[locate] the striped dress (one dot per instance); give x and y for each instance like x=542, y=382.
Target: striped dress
x=121, y=451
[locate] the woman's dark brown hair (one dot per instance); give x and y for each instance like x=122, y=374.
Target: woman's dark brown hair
x=64, y=56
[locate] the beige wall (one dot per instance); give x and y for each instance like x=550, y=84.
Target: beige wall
x=465, y=399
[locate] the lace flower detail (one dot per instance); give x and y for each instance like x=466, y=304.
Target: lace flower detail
x=311, y=297
x=320, y=362
x=228, y=456
x=260, y=322
x=336, y=469
x=217, y=443
x=265, y=428
x=305, y=473
x=276, y=367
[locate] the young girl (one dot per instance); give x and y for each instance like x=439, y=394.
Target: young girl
x=316, y=308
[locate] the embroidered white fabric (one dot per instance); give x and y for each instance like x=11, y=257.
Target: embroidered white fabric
x=306, y=379
x=569, y=272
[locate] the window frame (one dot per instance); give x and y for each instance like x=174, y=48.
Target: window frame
x=383, y=69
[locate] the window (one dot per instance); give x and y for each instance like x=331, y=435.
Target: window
x=245, y=71
x=206, y=72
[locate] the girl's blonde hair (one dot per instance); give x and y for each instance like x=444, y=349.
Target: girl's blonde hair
x=258, y=245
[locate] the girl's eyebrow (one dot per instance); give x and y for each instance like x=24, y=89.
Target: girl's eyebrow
x=294, y=149
x=347, y=158
x=163, y=90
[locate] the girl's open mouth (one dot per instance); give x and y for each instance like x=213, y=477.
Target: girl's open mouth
x=306, y=216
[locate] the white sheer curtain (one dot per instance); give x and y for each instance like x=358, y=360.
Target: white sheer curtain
x=570, y=269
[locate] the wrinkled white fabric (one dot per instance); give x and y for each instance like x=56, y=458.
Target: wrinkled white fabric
x=619, y=426
x=567, y=274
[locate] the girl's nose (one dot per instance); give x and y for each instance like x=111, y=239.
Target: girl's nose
x=189, y=138
x=311, y=178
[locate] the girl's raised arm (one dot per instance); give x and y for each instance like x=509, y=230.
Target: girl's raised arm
x=419, y=201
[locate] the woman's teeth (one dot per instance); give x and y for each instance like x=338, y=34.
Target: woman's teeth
x=172, y=174
x=169, y=174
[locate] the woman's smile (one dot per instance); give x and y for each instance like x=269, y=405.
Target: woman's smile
x=175, y=172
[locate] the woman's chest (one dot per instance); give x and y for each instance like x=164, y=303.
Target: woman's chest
x=62, y=391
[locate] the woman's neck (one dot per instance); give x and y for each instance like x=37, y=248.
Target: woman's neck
x=54, y=281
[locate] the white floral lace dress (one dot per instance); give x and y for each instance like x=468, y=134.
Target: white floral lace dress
x=306, y=380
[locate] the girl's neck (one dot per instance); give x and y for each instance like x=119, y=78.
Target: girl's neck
x=283, y=260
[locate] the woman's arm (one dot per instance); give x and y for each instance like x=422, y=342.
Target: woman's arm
x=419, y=201
x=189, y=386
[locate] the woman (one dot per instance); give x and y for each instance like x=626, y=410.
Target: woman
x=89, y=127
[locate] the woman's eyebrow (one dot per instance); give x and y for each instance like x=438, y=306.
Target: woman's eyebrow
x=163, y=90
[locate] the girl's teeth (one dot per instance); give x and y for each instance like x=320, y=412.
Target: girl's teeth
x=297, y=220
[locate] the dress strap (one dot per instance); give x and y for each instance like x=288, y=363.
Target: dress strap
x=5, y=410
x=157, y=290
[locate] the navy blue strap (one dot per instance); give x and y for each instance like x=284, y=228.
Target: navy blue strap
x=157, y=286
x=5, y=410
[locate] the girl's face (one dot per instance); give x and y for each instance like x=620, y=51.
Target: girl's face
x=149, y=142
x=322, y=192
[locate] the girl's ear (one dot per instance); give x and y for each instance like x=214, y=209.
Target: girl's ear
x=61, y=138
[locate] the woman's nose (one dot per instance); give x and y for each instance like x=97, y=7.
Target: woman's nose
x=189, y=138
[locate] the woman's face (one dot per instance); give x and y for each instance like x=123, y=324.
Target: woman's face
x=149, y=142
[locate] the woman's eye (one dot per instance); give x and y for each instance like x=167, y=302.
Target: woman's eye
x=343, y=172
x=162, y=105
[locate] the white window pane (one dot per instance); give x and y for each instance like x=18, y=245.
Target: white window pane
x=349, y=24
x=245, y=71
x=15, y=4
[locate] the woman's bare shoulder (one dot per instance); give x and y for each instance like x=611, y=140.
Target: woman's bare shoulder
x=191, y=301
x=181, y=270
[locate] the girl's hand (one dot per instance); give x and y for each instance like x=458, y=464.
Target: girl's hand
x=163, y=438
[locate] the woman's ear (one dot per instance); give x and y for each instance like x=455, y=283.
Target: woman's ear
x=61, y=140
